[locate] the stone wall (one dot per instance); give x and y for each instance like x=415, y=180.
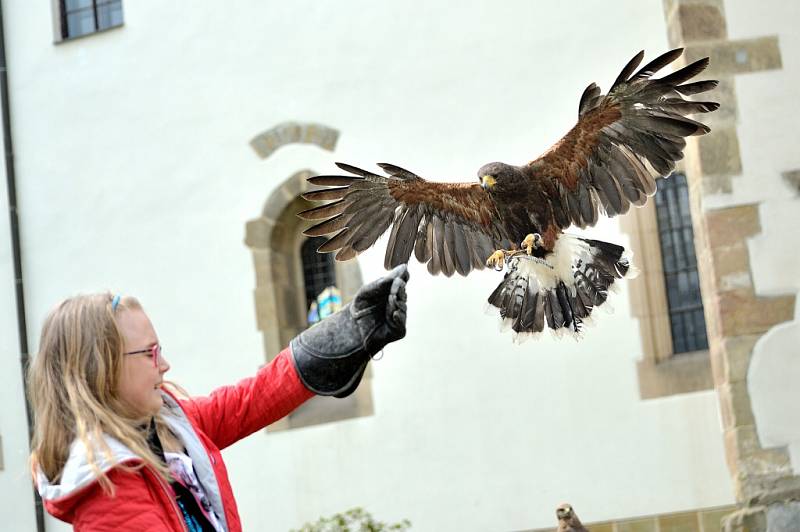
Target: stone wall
x=706, y=520
x=274, y=238
x=736, y=315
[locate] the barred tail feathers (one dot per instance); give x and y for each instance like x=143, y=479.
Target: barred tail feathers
x=559, y=291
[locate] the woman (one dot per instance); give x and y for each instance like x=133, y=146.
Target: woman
x=115, y=449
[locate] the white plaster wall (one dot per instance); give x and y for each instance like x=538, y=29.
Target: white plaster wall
x=136, y=176
x=768, y=117
x=772, y=380
x=16, y=492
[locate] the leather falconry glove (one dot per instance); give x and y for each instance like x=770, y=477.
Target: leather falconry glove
x=331, y=356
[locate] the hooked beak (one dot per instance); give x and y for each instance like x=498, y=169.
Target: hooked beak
x=487, y=182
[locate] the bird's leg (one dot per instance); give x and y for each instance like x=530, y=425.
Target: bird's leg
x=531, y=242
x=497, y=259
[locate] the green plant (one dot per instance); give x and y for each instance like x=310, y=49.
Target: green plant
x=355, y=520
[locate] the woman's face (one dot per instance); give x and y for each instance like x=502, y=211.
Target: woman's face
x=140, y=382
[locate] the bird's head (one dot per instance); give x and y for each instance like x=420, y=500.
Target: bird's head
x=564, y=512
x=499, y=177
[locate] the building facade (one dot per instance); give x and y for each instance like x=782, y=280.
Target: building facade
x=160, y=150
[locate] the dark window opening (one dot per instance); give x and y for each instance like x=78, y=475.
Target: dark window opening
x=319, y=276
x=82, y=17
x=676, y=235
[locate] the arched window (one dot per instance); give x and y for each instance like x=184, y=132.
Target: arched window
x=676, y=235
x=291, y=278
x=666, y=297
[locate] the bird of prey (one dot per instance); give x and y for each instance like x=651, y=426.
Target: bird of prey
x=568, y=520
x=514, y=216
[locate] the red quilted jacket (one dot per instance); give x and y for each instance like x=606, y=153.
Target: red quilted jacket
x=143, y=501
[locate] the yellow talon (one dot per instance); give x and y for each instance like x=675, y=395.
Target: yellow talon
x=497, y=259
x=531, y=242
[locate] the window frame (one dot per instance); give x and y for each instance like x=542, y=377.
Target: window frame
x=661, y=371
x=60, y=24
x=671, y=191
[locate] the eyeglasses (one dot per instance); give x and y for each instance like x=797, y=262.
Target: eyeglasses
x=154, y=352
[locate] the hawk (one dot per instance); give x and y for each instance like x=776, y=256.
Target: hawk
x=514, y=216
x=568, y=520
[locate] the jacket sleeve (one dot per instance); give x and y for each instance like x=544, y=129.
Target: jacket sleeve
x=230, y=413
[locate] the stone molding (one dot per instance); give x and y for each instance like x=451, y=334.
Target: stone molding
x=701, y=520
x=274, y=238
x=660, y=372
x=267, y=142
x=737, y=57
x=736, y=316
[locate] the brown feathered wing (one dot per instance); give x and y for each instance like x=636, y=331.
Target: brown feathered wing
x=453, y=227
x=622, y=142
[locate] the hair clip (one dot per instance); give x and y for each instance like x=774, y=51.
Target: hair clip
x=114, y=303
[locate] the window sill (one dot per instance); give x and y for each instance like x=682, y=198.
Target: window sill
x=80, y=37
x=683, y=373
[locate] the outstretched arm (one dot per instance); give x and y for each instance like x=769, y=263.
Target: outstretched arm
x=230, y=413
x=326, y=359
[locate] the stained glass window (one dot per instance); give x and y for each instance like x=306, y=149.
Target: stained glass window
x=319, y=275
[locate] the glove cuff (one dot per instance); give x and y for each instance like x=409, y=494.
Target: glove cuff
x=330, y=357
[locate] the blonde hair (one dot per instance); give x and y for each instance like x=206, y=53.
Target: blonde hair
x=73, y=389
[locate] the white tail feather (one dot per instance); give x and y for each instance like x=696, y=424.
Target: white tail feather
x=560, y=290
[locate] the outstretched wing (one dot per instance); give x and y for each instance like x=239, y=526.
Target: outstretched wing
x=453, y=227
x=623, y=141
